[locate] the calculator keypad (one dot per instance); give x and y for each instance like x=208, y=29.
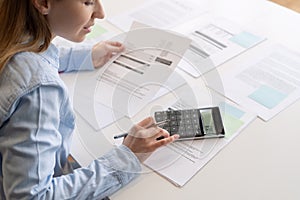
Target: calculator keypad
x=186, y=123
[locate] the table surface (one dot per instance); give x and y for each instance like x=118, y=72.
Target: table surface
x=263, y=161
x=291, y=4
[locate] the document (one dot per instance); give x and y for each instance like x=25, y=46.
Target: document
x=160, y=14
x=95, y=113
x=133, y=78
x=215, y=40
x=268, y=84
x=181, y=160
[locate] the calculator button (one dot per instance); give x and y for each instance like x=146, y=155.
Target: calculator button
x=195, y=121
x=187, y=116
x=189, y=127
x=161, y=116
x=187, y=121
x=190, y=133
x=181, y=129
x=158, y=118
x=181, y=134
x=178, y=117
x=173, y=117
x=195, y=116
x=174, y=129
x=196, y=126
x=174, y=123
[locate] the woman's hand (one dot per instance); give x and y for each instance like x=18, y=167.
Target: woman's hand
x=103, y=51
x=143, y=141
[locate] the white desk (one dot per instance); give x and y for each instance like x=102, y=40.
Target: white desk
x=261, y=163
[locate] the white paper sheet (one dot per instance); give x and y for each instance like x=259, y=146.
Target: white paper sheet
x=215, y=40
x=133, y=78
x=268, y=84
x=160, y=14
x=95, y=113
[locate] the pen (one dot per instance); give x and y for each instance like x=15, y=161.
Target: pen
x=152, y=125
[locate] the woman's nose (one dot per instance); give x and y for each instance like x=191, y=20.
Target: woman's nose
x=98, y=12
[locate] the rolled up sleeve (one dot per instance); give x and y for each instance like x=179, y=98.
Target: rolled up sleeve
x=75, y=59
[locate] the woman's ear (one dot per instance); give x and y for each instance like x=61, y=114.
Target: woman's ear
x=42, y=5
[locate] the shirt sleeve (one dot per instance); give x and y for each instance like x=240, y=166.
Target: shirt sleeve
x=75, y=59
x=29, y=155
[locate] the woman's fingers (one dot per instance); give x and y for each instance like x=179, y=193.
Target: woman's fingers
x=166, y=140
x=103, y=51
x=114, y=47
x=143, y=138
x=146, y=122
x=163, y=138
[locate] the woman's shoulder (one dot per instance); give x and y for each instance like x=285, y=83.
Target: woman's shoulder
x=28, y=69
x=29, y=66
x=23, y=73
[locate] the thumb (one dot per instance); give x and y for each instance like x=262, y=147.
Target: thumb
x=146, y=122
x=115, y=47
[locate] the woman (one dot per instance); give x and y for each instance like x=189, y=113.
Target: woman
x=36, y=118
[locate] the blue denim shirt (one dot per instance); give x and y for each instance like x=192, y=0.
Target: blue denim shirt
x=36, y=125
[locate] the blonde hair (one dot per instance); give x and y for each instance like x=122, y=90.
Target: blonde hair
x=23, y=28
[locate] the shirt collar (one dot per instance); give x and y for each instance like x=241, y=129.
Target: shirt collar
x=51, y=55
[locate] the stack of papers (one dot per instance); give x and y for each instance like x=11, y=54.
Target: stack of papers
x=148, y=70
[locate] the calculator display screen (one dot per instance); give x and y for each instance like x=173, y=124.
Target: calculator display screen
x=208, y=121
